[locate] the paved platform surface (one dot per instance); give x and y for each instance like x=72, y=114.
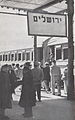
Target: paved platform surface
x=51, y=108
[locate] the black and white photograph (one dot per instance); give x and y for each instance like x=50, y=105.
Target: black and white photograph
x=37, y=60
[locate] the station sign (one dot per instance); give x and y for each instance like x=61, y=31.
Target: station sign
x=47, y=24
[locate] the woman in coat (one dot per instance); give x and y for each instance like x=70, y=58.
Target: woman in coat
x=5, y=92
x=27, y=99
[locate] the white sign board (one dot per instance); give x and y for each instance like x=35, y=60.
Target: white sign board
x=47, y=24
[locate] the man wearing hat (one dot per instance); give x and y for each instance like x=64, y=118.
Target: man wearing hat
x=56, y=78
x=37, y=78
x=27, y=99
x=5, y=92
x=46, y=71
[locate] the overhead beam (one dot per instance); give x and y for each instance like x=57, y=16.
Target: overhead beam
x=48, y=4
x=9, y=13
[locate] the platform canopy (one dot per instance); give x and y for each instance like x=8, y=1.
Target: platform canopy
x=57, y=41
x=28, y=4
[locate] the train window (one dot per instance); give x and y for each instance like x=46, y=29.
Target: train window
x=52, y=51
x=65, y=53
x=6, y=57
x=23, y=56
x=32, y=56
x=12, y=57
x=27, y=56
x=15, y=56
x=3, y=57
x=19, y=56
x=0, y=57
x=9, y=57
x=58, y=53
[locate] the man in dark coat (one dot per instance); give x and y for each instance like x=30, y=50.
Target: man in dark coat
x=13, y=79
x=27, y=99
x=46, y=71
x=5, y=92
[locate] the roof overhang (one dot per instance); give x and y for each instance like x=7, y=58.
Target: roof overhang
x=57, y=41
x=28, y=4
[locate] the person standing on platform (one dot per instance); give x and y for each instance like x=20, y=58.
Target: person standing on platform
x=65, y=79
x=56, y=78
x=13, y=66
x=5, y=92
x=13, y=78
x=18, y=72
x=27, y=99
x=37, y=79
x=46, y=71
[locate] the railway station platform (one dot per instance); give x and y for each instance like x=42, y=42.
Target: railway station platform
x=51, y=108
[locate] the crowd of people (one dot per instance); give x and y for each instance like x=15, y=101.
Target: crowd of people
x=31, y=79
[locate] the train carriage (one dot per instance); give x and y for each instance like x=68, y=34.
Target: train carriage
x=20, y=56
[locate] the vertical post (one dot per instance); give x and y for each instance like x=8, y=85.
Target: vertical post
x=70, y=94
x=35, y=48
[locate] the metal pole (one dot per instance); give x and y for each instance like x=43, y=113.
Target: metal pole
x=35, y=48
x=70, y=94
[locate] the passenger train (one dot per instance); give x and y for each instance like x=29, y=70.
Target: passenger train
x=20, y=56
